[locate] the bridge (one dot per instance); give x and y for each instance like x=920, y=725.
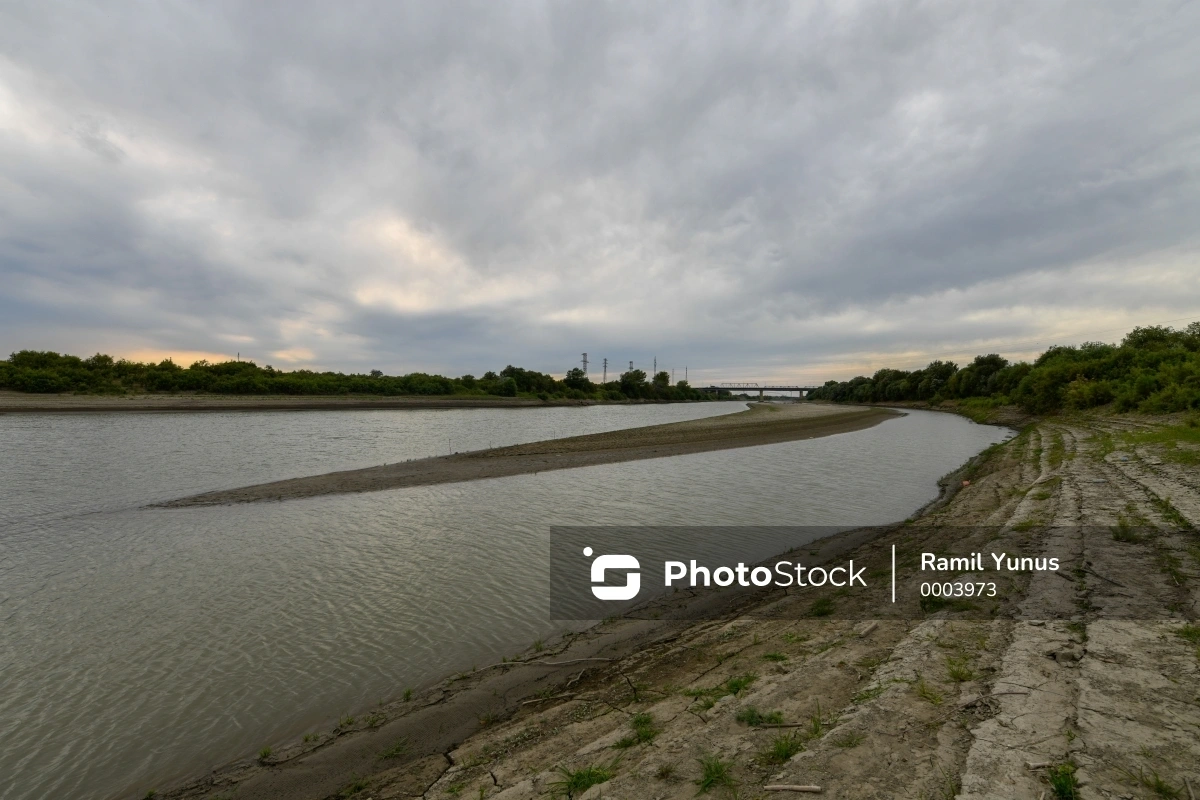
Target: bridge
x=747, y=388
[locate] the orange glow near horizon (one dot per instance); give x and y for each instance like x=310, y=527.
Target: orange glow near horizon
x=184, y=358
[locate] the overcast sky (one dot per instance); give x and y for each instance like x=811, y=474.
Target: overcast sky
x=754, y=190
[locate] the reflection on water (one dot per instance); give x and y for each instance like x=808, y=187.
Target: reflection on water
x=140, y=646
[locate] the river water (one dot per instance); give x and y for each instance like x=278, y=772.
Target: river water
x=139, y=646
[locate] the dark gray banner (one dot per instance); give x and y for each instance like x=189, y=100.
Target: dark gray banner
x=905, y=572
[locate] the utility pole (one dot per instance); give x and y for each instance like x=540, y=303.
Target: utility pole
x=605, y=371
x=656, y=365
x=585, y=364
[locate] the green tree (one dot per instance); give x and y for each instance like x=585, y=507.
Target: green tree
x=633, y=383
x=577, y=379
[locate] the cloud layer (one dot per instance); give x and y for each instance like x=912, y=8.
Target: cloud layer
x=753, y=190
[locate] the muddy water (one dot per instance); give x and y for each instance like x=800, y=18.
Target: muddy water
x=140, y=646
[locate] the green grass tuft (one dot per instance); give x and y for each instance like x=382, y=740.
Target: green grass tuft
x=959, y=669
x=644, y=731
x=753, y=717
x=1063, y=784
x=782, y=748
x=822, y=607
x=573, y=783
x=929, y=693
x=713, y=773
x=1189, y=633
x=395, y=751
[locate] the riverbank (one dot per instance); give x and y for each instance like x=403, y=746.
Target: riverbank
x=20, y=402
x=759, y=425
x=932, y=704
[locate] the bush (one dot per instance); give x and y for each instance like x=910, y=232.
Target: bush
x=1155, y=370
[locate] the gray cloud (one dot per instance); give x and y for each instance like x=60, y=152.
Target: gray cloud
x=751, y=189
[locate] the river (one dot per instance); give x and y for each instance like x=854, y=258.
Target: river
x=139, y=646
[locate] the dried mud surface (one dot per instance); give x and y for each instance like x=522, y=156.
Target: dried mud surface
x=761, y=424
x=925, y=707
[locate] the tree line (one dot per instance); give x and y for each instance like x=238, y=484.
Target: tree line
x=47, y=372
x=1154, y=369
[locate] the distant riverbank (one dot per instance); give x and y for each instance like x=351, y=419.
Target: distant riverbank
x=17, y=402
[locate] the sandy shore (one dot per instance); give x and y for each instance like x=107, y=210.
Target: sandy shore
x=20, y=402
x=761, y=424
x=928, y=704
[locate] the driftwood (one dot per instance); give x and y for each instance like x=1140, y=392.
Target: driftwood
x=792, y=787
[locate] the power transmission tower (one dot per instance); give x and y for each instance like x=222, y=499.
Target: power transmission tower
x=585, y=363
x=605, y=371
x=631, y=366
x=656, y=365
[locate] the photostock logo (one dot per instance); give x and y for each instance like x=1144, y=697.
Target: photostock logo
x=633, y=580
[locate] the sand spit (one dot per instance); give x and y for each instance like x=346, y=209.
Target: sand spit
x=928, y=706
x=761, y=424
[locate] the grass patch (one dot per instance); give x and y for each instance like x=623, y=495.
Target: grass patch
x=1063, y=784
x=1057, y=451
x=795, y=638
x=354, y=787
x=1170, y=438
x=849, y=740
x=395, y=751
x=776, y=657
x=1155, y=783
x=959, y=669
x=264, y=754
x=927, y=692
x=1125, y=532
x=782, y=748
x=666, y=772
x=1189, y=633
x=713, y=773
x=346, y=721
x=817, y=723
x=644, y=731
x=753, y=717
x=821, y=607
x=572, y=783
